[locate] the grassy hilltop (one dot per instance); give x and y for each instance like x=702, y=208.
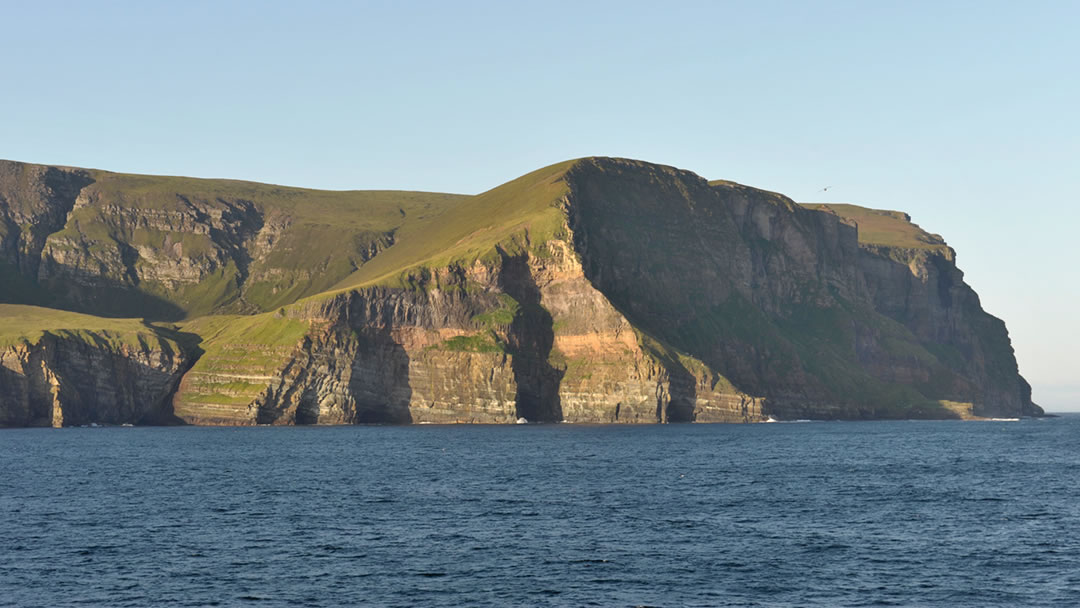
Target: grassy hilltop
x=884, y=228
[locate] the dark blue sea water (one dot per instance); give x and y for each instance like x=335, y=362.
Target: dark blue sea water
x=819, y=514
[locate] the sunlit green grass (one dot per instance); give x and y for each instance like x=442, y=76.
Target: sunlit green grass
x=19, y=323
x=884, y=228
x=315, y=238
x=525, y=208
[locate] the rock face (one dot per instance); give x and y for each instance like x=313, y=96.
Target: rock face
x=34, y=203
x=787, y=302
x=522, y=337
x=65, y=378
x=603, y=290
x=925, y=291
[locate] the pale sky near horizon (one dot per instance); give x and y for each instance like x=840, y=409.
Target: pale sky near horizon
x=963, y=114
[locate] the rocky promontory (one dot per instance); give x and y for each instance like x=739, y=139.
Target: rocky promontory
x=596, y=290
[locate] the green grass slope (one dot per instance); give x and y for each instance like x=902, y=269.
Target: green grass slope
x=514, y=215
x=279, y=244
x=883, y=228
x=239, y=355
x=21, y=323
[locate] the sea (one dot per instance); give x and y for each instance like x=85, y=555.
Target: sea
x=899, y=513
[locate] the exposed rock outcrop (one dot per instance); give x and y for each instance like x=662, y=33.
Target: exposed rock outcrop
x=34, y=203
x=787, y=302
x=524, y=336
x=72, y=378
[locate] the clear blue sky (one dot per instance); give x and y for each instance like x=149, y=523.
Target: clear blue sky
x=964, y=114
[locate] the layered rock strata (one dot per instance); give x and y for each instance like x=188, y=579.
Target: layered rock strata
x=67, y=378
x=526, y=337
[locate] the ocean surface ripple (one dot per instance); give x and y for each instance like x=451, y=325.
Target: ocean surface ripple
x=823, y=514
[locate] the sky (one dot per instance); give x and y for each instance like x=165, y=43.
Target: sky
x=966, y=115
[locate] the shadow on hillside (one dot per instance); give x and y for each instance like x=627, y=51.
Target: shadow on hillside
x=19, y=408
x=342, y=376
x=379, y=378
x=92, y=380
x=531, y=339
x=191, y=349
x=86, y=292
x=683, y=395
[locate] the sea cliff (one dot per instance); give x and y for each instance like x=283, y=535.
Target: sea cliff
x=597, y=290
